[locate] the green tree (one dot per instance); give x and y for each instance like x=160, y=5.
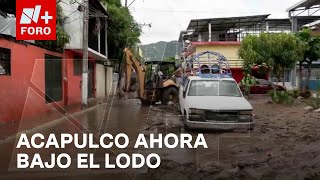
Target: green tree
x=278, y=51
x=286, y=52
x=247, y=82
x=123, y=30
x=311, y=53
x=255, y=51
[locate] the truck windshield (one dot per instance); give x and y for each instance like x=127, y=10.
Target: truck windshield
x=214, y=88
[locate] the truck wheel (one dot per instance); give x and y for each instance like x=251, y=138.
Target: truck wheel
x=169, y=94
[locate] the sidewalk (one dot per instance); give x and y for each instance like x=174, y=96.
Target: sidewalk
x=46, y=119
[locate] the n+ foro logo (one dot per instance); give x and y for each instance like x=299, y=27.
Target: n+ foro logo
x=36, y=19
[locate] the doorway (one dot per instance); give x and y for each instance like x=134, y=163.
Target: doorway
x=53, y=79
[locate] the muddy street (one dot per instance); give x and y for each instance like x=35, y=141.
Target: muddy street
x=285, y=144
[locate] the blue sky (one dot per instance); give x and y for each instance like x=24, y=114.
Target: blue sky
x=169, y=17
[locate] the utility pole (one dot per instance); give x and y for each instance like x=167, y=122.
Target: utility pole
x=84, y=85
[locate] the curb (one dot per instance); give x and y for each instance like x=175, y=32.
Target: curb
x=48, y=124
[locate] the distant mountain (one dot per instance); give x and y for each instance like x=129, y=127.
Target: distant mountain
x=160, y=50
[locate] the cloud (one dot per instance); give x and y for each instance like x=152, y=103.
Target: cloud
x=169, y=17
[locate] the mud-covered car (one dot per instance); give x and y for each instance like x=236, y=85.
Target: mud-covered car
x=214, y=103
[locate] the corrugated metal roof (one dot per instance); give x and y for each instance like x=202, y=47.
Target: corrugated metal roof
x=224, y=23
x=304, y=4
x=285, y=23
x=242, y=22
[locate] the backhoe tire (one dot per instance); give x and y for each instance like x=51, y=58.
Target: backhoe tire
x=169, y=94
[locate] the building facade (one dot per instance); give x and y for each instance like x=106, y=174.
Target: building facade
x=224, y=35
x=34, y=79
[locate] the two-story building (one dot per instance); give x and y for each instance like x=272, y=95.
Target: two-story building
x=306, y=9
x=100, y=71
x=224, y=35
x=34, y=78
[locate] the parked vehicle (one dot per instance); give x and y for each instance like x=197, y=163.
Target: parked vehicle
x=263, y=87
x=153, y=86
x=214, y=103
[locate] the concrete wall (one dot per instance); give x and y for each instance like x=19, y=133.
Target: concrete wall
x=100, y=81
x=73, y=24
x=109, y=81
x=104, y=81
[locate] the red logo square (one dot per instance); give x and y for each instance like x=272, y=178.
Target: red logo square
x=36, y=19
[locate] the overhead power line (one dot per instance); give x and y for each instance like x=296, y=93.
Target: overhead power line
x=185, y=11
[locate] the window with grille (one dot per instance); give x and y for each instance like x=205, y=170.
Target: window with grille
x=5, y=61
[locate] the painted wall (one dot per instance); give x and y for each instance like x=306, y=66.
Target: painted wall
x=314, y=84
x=227, y=49
x=72, y=82
x=109, y=80
x=100, y=81
x=22, y=93
x=74, y=23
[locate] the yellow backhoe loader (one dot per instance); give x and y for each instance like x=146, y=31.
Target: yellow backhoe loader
x=154, y=85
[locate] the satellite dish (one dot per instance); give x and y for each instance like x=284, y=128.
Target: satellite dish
x=188, y=42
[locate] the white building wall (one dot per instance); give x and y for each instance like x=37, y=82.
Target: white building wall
x=100, y=81
x=73, y=24
x=109, y=81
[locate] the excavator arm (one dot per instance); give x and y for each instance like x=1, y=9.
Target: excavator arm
x=132, y=63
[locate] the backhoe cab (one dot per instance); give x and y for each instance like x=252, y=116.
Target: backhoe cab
x=154, y=79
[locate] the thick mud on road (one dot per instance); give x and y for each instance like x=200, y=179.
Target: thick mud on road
x=285, y=144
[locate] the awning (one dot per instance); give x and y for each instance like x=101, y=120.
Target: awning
x=92, y=54
x=96, y=7
x=244, y=22
x=285, y=24
x=221, y=24
x=304, y=4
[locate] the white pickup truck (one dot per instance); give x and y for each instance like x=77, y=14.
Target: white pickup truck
x=214, y=103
